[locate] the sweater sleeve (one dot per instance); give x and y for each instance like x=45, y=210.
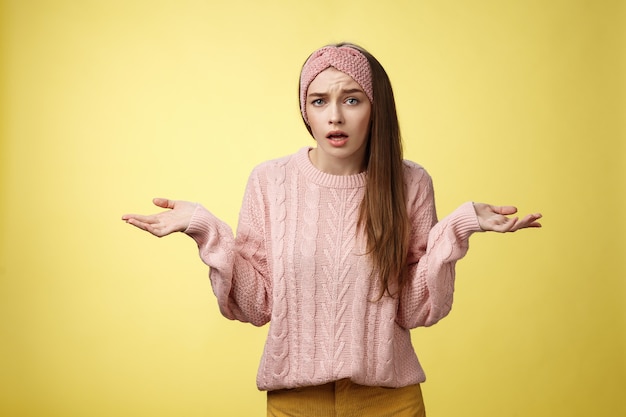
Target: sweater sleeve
x=237, y=266
x=433, y=251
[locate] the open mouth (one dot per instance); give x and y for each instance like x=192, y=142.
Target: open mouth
x=337, y=135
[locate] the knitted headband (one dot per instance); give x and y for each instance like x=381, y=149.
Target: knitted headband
x=344, y=58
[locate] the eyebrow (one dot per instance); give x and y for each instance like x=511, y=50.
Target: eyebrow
x=346, y=91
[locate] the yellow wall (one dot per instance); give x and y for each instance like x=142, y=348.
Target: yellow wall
x=106, y=104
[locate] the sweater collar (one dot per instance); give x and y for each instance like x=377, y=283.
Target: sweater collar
x=327, y=180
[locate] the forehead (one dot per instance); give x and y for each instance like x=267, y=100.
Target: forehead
x=332, y=77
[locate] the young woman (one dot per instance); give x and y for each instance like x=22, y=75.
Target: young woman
x=338, y=247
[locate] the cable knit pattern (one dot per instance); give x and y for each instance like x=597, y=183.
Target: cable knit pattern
x=339, y=236
x=307, y=273
x=299, y=263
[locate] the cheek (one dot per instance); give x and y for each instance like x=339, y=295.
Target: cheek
x=365, y=122
x=311, y=120
x=315, y=127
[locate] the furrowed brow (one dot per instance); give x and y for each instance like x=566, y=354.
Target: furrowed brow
x=344, y=92
x=353, y=90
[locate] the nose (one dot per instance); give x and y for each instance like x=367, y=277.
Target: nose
x=335, y=114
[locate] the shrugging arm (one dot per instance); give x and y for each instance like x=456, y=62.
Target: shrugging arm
x=433, y=251
x=238, y=266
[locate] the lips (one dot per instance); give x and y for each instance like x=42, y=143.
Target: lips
x=337, y=135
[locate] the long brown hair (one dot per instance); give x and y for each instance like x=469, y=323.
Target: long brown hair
x=383, y=214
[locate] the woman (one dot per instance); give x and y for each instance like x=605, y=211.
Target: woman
x=338, y=247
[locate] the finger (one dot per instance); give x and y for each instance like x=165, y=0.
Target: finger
x=528, y=221
x=504, y=210
x=151, y=219
x=163, y=202
x=140, y=225
x=157, y=229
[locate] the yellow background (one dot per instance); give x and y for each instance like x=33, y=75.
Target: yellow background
x=106, y=104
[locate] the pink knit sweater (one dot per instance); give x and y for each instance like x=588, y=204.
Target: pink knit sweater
x=299, y=263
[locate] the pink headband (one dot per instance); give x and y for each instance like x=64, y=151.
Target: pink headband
x=344, y=58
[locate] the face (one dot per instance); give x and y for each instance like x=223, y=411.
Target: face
x=339, y=116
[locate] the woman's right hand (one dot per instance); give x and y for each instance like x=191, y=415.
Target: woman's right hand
x=175, y=219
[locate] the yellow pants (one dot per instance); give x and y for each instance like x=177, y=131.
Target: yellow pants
x=346, y=399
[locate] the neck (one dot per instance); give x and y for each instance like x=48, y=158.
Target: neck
x=335, y=166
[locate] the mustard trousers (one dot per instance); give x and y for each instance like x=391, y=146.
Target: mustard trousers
x=343, y=398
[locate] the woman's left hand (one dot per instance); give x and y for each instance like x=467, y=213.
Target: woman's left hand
x=494, y=218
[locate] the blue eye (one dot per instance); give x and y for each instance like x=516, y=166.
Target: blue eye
x=317, y=102
x=352, y=101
